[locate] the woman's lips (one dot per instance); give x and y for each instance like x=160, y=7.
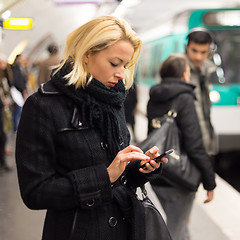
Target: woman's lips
x=112, y=84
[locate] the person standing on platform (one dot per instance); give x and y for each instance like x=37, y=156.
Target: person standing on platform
x=177, y=201
x=130, y=105
x=5, y=112
x=200, y=45
x=46, y=66
x=72, y=149
x=20, y=79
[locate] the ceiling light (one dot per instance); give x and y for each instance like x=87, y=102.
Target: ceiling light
x=6, y=14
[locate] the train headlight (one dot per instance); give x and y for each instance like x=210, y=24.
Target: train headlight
x=214, y=96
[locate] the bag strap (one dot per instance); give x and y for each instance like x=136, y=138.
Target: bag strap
x=172, y=113
x=144, y=191
x=173, y=110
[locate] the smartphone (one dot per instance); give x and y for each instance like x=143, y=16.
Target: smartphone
x=158, y=159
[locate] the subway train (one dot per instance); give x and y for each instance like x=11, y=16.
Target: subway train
x=170, y=37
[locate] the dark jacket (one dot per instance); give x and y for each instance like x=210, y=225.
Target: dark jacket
x=19, y=77
x=62, y=167
x=130, y=104
x=160, y=102
x=1, y=117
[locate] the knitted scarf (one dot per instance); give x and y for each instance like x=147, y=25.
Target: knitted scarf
x=99, y=106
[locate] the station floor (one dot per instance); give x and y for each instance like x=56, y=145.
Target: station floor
x=17, y=222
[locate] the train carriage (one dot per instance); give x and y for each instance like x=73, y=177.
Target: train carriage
x=169, y=38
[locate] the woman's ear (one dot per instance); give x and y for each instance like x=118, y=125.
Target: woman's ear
x=86, y=57
x=183, y=78
x=186, y=75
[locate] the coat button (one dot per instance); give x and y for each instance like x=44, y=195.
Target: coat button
x=123, y=180
x=112, y=221
x=120, y=141
x=90, y=203
x=103, y=145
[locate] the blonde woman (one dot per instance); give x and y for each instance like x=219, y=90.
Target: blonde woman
x=72, y=144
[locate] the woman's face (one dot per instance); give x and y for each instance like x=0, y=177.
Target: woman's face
x=108, y=65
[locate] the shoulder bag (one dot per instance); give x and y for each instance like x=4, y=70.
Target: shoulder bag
x=179, y=171
x=155, y=227
x=150, y=225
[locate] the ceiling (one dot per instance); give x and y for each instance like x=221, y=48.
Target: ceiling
x=53, y=22
x=5, y=4
x=151, y=13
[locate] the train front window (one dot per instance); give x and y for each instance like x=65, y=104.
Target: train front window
x=227, y=57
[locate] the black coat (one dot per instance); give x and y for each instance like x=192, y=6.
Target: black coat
x=130, y=104
x=1, y=117
x=19, y=77
x=62, y=167
x=160, y=102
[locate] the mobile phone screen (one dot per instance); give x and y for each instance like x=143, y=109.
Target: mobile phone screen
x=158, y=159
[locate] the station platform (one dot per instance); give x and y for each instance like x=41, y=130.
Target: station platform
x=218, y=220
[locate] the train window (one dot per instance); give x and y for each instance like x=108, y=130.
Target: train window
x=176, y=47
x=156, y=60
x=227, y=57
x=144, y=63
x=222, y=18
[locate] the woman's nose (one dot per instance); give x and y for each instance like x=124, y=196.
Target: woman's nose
x=120, y=73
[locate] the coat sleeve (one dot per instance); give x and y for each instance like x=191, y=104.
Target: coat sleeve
x=187, y=121
x=41, y=185
x=135, y=178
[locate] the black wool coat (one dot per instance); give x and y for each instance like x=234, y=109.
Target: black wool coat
x=160, y=102
x=19, y=77
x=62, y=167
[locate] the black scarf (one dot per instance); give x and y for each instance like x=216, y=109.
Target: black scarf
x=98, y=106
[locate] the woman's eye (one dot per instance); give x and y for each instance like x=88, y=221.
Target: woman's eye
x=116, y=65
x=113, y=64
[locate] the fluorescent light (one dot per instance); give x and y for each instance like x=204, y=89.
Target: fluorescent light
x=63, y=2
x=17, y=50
x=123, y=6
x=6, y=14
x=130, y=3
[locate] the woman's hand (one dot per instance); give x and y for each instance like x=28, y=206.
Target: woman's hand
x=118, y=165
x=210, y=195
x=152, y=165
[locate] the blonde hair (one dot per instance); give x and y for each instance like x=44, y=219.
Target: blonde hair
x=93, y=37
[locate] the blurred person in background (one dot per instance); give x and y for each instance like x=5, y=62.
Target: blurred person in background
x=130, y=105
x=177, y=201
x=20, y=93
x=201, y=45
x=6, y=104
x=46, y=66
x=72, y=149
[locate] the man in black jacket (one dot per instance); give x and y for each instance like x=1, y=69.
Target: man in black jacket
x=20, y=83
